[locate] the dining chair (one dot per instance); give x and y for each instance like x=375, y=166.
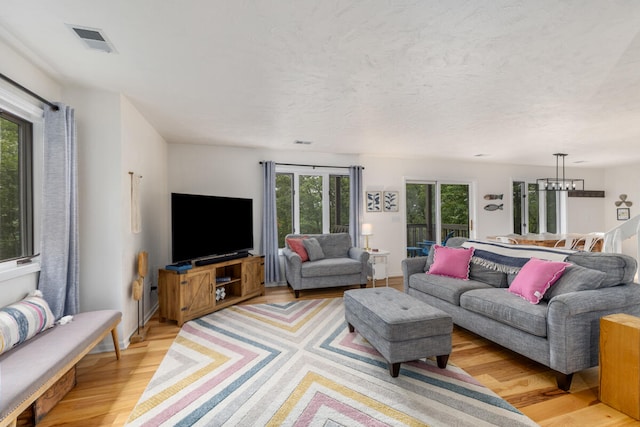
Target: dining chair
x=567, y=242
x=505, y=239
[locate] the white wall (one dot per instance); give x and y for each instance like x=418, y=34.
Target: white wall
x=113, y=139
x=144, y=152
x=624, y=179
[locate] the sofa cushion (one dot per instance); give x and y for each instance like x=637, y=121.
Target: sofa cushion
x=576, y=278
x=314, y=250
x=451, y=262
x=23, y=320
x=619, y=268
x=331, y=267
x=507, y=308
x=297, y=246
x=442, y=287
x=535, y=277
x=486, y=275
x=335, y=245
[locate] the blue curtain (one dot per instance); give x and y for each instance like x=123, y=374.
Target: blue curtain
x=269, y=224
x=356, y=201
x=59, y=271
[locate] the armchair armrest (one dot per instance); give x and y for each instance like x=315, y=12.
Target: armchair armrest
x=359, y=254
x=292, y=267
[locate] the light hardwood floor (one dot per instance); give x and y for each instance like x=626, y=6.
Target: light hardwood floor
x=107, y=389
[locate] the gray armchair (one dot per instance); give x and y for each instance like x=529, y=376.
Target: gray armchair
x=336, y=263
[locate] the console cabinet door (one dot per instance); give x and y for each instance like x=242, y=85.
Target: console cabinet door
x=253, y=276
x=197, y=294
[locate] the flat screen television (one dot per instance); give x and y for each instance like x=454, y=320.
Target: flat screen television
x=207, y=228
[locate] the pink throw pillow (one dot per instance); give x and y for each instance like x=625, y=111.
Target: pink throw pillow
x=535, y=277
x=451, y=262
x=297, y=246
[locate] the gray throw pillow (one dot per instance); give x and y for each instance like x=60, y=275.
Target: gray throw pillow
x=314, y=250
x=575, y=278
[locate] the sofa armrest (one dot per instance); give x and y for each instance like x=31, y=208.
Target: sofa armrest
x=573, y=323
x=292, y=268
x=411, y=266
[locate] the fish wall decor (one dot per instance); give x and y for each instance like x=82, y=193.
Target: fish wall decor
x=493, y=207
x=493, y=196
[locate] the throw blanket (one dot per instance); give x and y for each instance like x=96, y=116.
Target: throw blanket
x=510, y=258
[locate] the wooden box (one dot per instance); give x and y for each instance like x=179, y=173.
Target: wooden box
x=620, y=363
x=45, y=403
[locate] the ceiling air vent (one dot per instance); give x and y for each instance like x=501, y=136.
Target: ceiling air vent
x=93, y=38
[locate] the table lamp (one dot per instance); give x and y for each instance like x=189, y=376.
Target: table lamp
x=367, y=230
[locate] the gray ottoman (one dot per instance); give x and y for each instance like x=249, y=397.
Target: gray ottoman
x=399, y=326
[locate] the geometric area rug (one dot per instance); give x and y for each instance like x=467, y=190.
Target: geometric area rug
x=296, y=364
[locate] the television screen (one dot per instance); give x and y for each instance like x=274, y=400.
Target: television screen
x=210, y=226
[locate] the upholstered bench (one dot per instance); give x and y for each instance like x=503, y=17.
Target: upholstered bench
x=30, y=369
x=399, y=326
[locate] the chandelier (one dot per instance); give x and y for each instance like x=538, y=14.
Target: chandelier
x=560, y=182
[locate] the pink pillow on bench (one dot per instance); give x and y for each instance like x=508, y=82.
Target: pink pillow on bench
x=535, y=277
x=451, y=262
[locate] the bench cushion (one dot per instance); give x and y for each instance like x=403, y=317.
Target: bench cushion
x=396, y=316
x=30, y=365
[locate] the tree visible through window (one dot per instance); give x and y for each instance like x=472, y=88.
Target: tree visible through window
x=16, y=224
x=321, y=205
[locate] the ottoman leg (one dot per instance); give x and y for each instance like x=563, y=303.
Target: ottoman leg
x=442, y=361
x=350, y=326
x=394, y=369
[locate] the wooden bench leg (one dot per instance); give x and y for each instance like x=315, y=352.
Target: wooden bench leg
x=442, y=361
x=116, y=343
x=394, y=369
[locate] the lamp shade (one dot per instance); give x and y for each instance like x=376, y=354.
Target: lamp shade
x=367, y=230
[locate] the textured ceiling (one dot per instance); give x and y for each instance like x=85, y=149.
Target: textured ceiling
x=514, y=80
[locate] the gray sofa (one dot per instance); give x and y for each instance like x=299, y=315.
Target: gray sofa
x=338, y=263
x=561, y=331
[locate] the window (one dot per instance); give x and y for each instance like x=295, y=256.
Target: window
x=309, y=201
x=538, y=208
x=16, y=187
x=436, y=210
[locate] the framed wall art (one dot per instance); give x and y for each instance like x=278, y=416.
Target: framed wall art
x=623, y=214
x=390, y=201
x=374, y=201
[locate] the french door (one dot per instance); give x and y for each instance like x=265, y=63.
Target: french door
x=435, y=210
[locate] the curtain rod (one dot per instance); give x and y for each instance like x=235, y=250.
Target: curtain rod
x=310, y=166
x=53, y=106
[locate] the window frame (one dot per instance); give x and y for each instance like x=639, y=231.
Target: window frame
x=19, y=107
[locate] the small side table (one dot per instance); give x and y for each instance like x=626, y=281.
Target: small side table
x=620, y=363
x=378, y=260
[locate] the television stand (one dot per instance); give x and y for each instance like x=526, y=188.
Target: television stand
x=203, y=289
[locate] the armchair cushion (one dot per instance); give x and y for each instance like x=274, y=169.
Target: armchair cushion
x=313, y=249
